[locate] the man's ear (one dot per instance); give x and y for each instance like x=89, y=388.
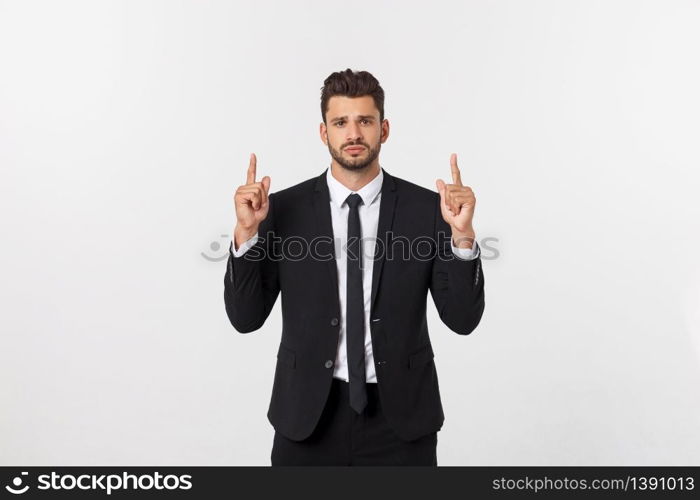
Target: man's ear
x=323, y=133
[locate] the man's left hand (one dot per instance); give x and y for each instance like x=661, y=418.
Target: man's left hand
x=457, y=204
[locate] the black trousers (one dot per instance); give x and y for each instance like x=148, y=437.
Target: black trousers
x=342, y=437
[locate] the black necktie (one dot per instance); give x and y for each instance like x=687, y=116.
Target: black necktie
x=355, y=310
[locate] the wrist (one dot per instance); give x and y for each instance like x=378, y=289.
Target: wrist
x=241, y=234
x=463, y=239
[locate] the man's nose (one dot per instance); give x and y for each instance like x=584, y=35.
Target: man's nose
x=353, y=133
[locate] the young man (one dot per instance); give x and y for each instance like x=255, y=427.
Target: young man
x=354, y=253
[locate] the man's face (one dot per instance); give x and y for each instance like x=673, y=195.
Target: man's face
x=353, y=122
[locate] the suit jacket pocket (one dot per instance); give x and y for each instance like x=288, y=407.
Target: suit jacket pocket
x=286, y=356
x=421, y=356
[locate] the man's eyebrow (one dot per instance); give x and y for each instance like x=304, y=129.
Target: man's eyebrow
x=371, y=117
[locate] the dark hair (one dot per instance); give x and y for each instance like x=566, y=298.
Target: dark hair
x=351, y=83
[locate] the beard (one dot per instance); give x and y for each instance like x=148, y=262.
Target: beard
x=360, y=161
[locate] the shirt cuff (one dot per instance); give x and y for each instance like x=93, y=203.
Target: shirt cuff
x=466, y=253
x=245, y=246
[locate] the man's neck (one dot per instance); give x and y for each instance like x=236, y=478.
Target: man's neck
x=354, y=180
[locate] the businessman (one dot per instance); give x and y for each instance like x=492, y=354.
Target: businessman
x=354, y=253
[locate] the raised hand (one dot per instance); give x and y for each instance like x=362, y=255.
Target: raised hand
x=251, y=202
x=457, y=202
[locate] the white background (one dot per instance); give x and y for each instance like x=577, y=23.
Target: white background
x=126, y=127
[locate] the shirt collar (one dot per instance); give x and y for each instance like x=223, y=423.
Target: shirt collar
x=369, y=192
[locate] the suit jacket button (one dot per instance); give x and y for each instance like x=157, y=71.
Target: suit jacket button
x=334, y=322
x=329, y=363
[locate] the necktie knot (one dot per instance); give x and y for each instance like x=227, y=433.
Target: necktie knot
x=353, y=200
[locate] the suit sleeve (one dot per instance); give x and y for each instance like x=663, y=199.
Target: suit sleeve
x=251, y=284
x=456, y=285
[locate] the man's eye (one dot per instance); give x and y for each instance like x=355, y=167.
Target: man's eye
x=341, y=122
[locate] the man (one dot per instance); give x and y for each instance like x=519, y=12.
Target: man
x=354, y=253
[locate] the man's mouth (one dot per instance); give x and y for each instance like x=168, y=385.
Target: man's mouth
x=354, y=149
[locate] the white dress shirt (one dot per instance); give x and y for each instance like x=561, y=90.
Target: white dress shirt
x=371, y=194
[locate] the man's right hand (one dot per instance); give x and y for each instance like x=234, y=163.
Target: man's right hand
x=252, y=204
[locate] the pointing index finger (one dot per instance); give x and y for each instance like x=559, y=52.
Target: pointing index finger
x=251, y=169
x=456, y=177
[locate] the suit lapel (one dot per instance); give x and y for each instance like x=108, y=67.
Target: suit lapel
x=386, y=219
x=324, y=227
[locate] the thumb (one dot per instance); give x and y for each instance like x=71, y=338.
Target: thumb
x=440, y=186
x=266, y=183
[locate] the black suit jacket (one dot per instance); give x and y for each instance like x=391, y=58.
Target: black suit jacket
x=299, y=217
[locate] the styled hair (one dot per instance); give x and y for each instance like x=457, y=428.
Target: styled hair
x=351, y=83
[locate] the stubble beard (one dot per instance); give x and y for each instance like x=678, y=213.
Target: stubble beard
x=355, y=164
